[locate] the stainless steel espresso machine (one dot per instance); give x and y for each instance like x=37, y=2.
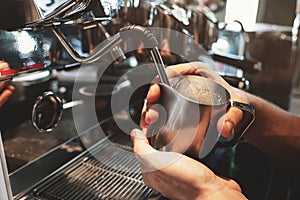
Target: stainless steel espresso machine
x=65, y=60
x=69, y=62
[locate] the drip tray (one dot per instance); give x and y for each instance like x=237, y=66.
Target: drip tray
x=109, y=171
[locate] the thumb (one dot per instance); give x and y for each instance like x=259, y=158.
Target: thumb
x=140, y=142
x=149, y=158
x=227, y=123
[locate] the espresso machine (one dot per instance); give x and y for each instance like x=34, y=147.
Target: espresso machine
x=41, y=60
x=61, y=136
x=66, y=59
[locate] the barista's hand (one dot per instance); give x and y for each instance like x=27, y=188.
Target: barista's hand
x=176, y=176
x=6, y=89
x=226, y=123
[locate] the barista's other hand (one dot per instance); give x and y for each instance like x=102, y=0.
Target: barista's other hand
x=226, y=123
x=6, y=89
x=177, y=176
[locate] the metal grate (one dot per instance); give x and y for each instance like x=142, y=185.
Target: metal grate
x=112, y=177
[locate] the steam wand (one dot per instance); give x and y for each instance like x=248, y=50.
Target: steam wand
x=127, y=32
x=160, y=68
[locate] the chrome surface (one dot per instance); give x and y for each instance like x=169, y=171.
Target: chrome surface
x=24, y=51
x=249, y=49
x=111, y=44
x=37, y=163
x=33, y=157
x=89, y=178
x=189, y=111
x=134, y=31
x=47, y=112
x=5, y=187
x=159, y=65
x=195, y=20
x=36, y=18
x=18, y=14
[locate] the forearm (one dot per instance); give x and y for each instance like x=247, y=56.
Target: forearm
x=274, y=130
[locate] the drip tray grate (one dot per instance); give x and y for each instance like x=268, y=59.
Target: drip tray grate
x=103, y=173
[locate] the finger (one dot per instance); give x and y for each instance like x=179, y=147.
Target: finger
x=153, y=93
x=149, y=158
x=173, y=71
x=3, y=65
x=149, y=115
x=3, y=85
x=152, y=115
x=140, y=143
x=11, y=88
x=143, y=123
x=143, y=114
x=225, y=128
x=5, y=95
x=181, y=69
x=227, y=123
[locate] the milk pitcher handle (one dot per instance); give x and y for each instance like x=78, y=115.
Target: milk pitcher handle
x=240, y=129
